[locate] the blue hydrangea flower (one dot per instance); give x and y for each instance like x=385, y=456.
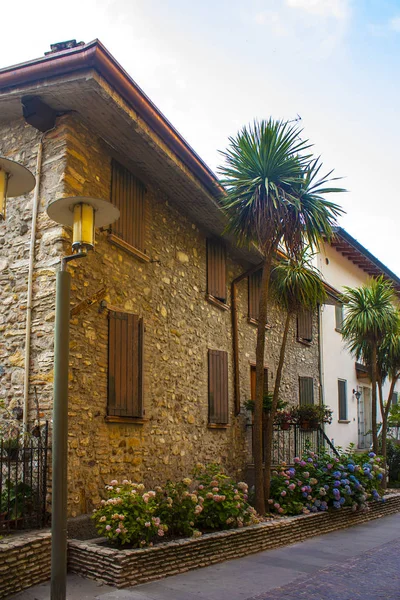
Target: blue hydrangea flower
x=336, y=504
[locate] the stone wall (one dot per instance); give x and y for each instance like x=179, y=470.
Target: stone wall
x=180, y=325
x=124, y=568
x=24, y=561
x=20, y=141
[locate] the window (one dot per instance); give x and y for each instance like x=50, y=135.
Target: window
x=306, y=390
x=253, y=382
x=342, y=396
x=216, y=270
x=339, y=317
x=217, y=387
x=395, y=398
x=125, y=365
x=254, y=294
x=128, y=194
x=304, y=326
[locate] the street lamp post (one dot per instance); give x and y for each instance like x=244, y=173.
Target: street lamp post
x=83, y=214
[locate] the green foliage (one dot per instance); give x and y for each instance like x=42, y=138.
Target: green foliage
x=130, y=515
x=15, y=499
x=297, y=284
x=320, y=482
x=370, y=316
x=393, y=462
x=318, y=413
x=394, y=416
x=274, y=188
x=225, y=502
x=267, y=403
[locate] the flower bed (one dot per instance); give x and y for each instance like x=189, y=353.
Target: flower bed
x=124, y=568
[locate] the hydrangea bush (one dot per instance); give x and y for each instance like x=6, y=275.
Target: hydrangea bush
x=319, y=482
x=209, y=501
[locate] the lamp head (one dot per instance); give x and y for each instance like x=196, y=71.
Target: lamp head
x=15, y=180
x=357, y=394
x=83, y=214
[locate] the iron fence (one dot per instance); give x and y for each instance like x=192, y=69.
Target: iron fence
x=23, y=481
x=294, y=441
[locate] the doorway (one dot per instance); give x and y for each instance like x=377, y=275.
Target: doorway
x=364, y=417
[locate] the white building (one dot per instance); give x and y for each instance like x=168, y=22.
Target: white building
x=346, y=388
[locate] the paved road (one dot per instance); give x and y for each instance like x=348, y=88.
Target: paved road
x=361, y=562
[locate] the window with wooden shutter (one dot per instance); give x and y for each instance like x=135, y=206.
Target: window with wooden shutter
x=218, y=412
x=306, y=390
x=254, y=294
x=125, y=365
x=342, y=399
x=339, y=317
x=216, y=269
x=253, y=381
x=128, y=195
x=395, y=398
x=304, y=326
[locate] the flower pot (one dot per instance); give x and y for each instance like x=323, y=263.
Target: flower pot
x=285, y=426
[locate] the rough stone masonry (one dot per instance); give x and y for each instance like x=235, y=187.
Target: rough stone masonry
x=168, y=292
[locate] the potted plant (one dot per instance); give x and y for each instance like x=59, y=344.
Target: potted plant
x=310, y=416
x=284, y=419
x=267, y=405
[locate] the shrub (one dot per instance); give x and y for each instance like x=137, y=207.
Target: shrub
x=129, y=515
x=224, y=503
x=178, y=507
x=319, y=482
x=393, y=462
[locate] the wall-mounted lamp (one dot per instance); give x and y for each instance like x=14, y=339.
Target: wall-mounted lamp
x=15, y=180
x=357, y=394
x=83, y=214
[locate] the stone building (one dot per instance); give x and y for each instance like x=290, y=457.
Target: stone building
x=154, y=334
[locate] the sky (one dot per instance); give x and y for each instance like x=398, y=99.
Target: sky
x=213, y=66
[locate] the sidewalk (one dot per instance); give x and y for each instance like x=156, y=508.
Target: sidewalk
x=363, y=562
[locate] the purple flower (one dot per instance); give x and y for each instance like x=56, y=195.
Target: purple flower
x=372, y=454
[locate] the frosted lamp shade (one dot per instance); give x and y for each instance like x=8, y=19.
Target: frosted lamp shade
x=62, y=210
x=20, y=179
x=83, y=227
x=15, y=180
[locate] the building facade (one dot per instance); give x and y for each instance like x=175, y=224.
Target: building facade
x=345, y=383
x=161, y=355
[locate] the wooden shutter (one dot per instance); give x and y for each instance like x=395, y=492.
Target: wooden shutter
x=128, y=194
x=339, y=317
x=125, y=365
x=395, y=398
x=304, y=325
x=342, y=396
x=218, y=387
x=216, y=269
x=306, y=390
x=253, y=382
x=254, y=294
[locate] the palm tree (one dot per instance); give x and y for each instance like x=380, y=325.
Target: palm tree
x=389, y=367
x=296, y=285
x=273, y=197
x=370, y=316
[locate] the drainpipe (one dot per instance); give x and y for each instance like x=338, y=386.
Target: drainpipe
x=30, y=283
x=235, y=335
x=321, y=356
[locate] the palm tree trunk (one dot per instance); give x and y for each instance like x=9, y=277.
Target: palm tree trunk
x=258, y=404
x=374, y=399
x=270, y=426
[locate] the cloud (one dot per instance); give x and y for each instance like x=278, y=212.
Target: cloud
x=395, y=24
x=339, y=9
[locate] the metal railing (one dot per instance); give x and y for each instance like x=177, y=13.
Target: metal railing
x=295, y=441
x=23, y=482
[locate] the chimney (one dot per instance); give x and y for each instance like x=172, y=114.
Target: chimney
x=60, y=46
